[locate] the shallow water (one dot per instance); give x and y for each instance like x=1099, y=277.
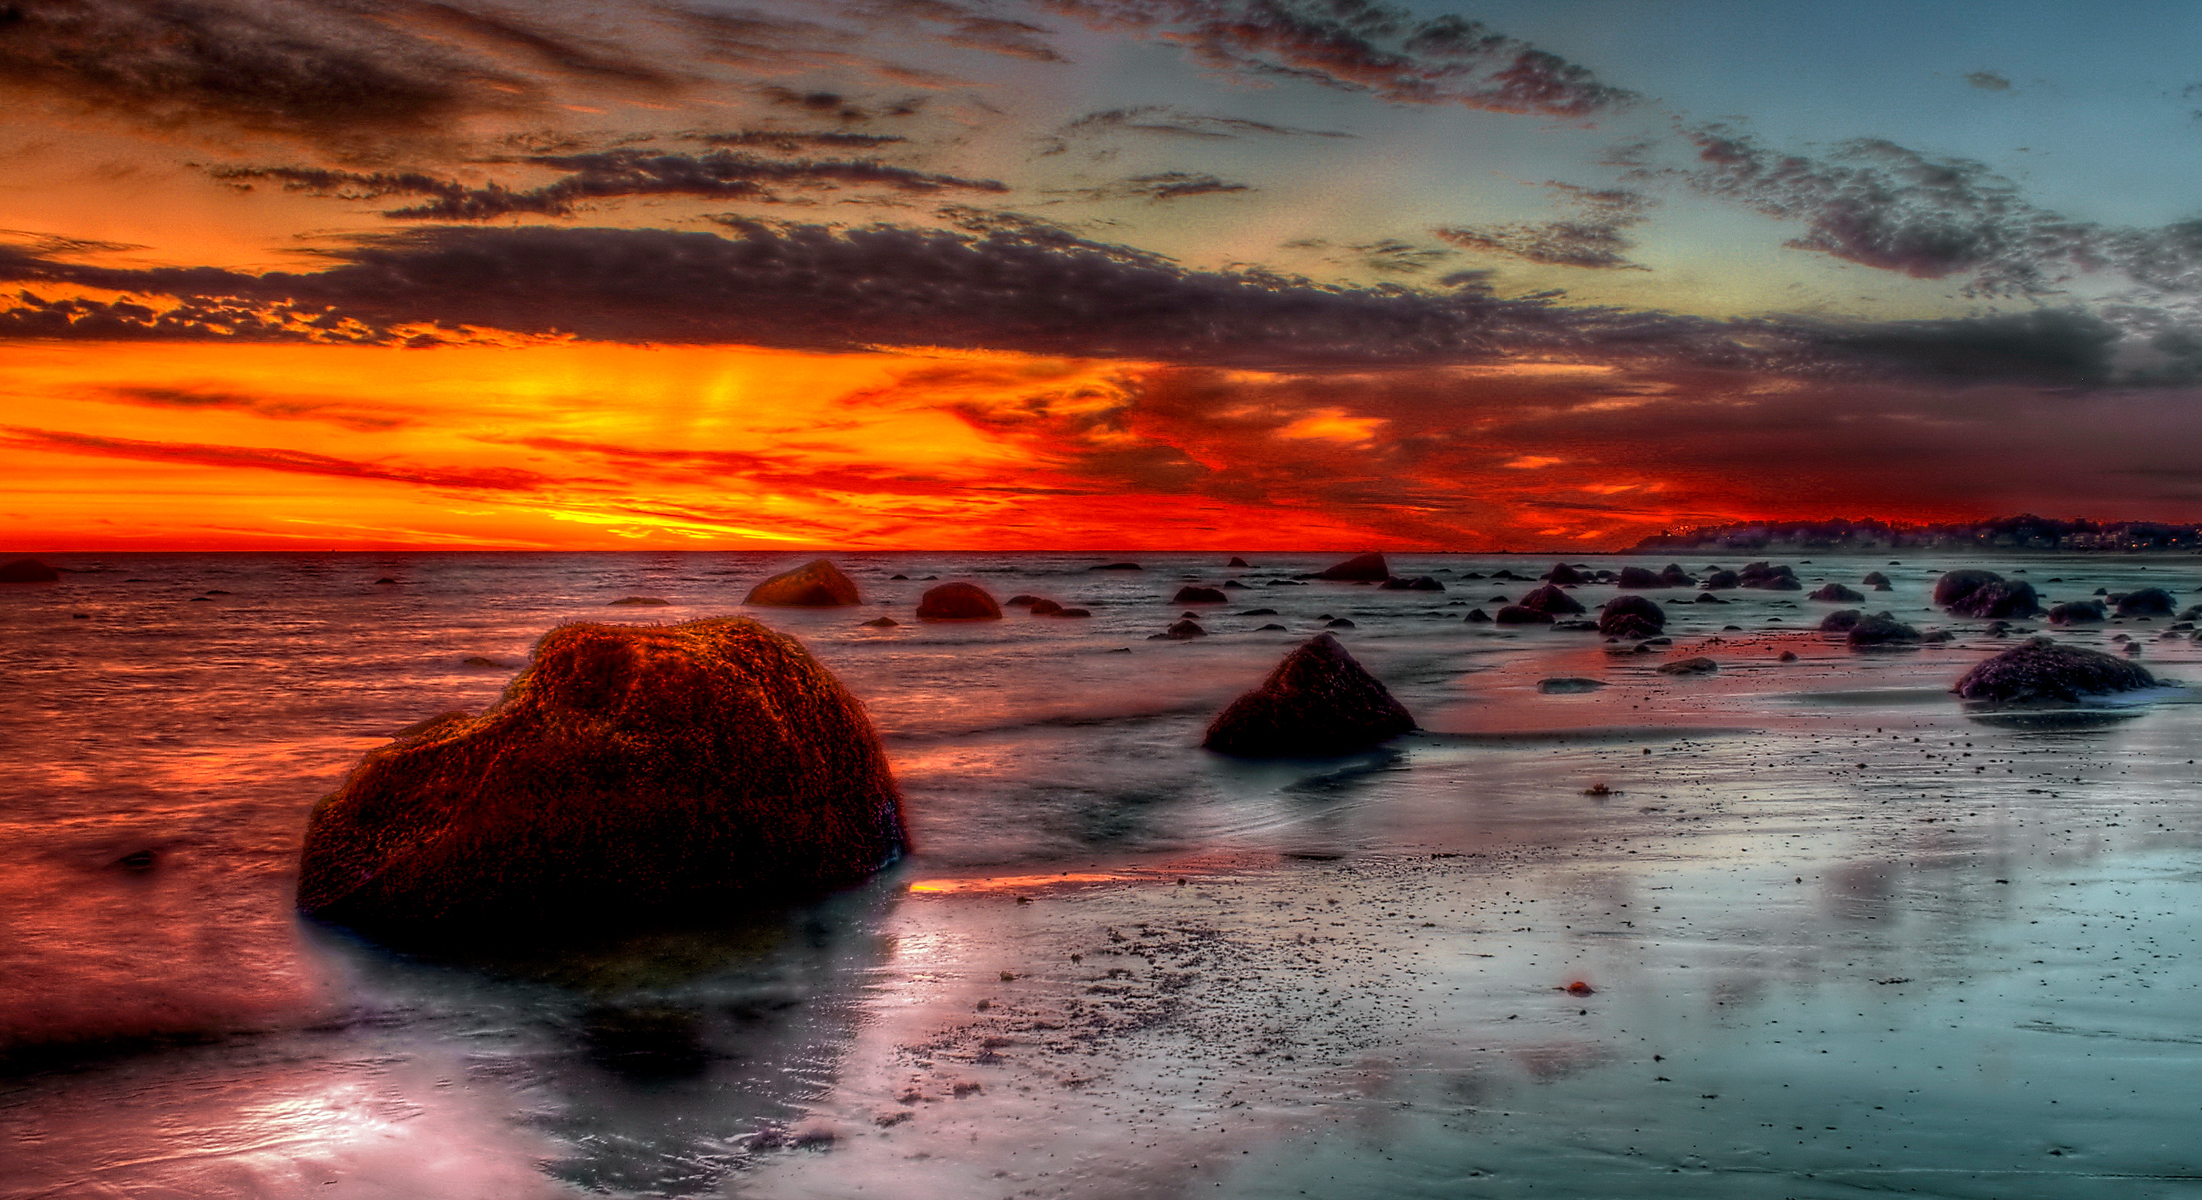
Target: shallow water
x=1841, y=934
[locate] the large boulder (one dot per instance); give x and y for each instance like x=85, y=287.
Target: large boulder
x=28, y=570
x=1998, y=598
x=1631, y=617
x=1318, y=702
x=631, y=770
x=958, y=602
x=1841, y=621
x=2148, y=602
x=1769, y=577
x=1835, y=593
x=817, y=584
x=1956, y=585
x=1369, y=568
x=1637, y=577
x=2041, y=671
x=1717, y=580
x=1550, y=599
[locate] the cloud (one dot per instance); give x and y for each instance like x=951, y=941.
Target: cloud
x=789, y=141
x=1366, y=47
x=611, y=174
x=1988, y=81
x=1594, y=241
x=346, y=413
x=1165, y=185
x=1162, y=120
x=294, y=461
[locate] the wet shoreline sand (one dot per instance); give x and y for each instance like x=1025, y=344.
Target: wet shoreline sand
x=1965, y=966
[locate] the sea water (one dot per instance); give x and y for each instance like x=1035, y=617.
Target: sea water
x=1834, y=933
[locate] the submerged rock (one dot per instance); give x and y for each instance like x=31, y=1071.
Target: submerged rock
x=1835, y=593
x=1690, y=666
x=1569, y=686
x=2148, y=602
x=630, y=770
x=958, y=602
x=1318, y=702
x=1881, y=629
x=1550, y=599
x=1194, y=594
x=1562, y=575
x=1840, y=621
x=1719, y=581
x=1998, y=598
x=639, y=602
x=1118, y=566
x=1672, y=575
x=1340, y=623
x=1515, y=614
x=1477, y=615
x=2041, y=671
x=1637, y=577
x=882, y=623
x=1179, y=632
x=1877, y=581
x=1045, y=608
x=1236, y=561
x=1420, y=583
x=1368, y=568
x=1631, y=617
x=2076, y=612
x=1768, y=577
x=1956, y=585
x=816, y=584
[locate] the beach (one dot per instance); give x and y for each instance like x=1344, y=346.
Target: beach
x=1790, y=928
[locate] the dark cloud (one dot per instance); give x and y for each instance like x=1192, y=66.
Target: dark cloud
x=1165, y=185
x=612, y=174
x=1385, y=256
x=1362, y=46
x=1008, y=282
x=340, y=75
x=1167, y=121
x=298, y=462
x=1988, y=81
x=789, y=141
x=817, y=103
x=1595, y=240
x=958, y=25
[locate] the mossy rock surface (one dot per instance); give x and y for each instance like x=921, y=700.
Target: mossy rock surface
x=631, y=770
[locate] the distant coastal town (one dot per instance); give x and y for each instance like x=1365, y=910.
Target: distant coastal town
x=2001, y=534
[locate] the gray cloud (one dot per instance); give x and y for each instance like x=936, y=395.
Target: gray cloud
x=1361, y=46
x=1595, y=240
x=1164, y=185
x=1988, y=81
x=612, y=174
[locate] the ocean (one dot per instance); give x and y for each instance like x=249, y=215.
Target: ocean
x=1790, y=929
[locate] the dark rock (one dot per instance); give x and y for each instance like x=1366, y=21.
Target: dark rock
x=639, y=602
x=477, y=660
x=1236, y=561
x=1835, y=593
x=1198, y=595
x=1718, y=581
x=1045, y=608
x=2076, y=612
x=1477, y=615
x=630, y=770
x=1370, y=568
x=1503, y=573
x=1070, y=612
x=816, y=584
x=1420, y=583
x=28, y=570
x=1258, y=612
x=1562, y=575
x=1233, y=583
x=1840, y=621
x=1634, y=612
x=1672, y=575
x=1768, y=577
x=1272, y=629
x=1708, y=598
x=1956, y=585
x=1877, y=581
x=1998, y=598
x=2102, y=591
x=1498, y=600
x=1787, y=656
x=1881, y=629
x=2041, y=671
x=2148, y=602
x=1318, y=702
x=1576, y=626
x=898, y=576
x=1117, y=566
x=1339, y=623
x=385, y=581
x=1179, y=632
x=1515, y=614
x=1637, y=577
x=1286, y=583
x=958, y=602
x=882, y=623
x=1689, y=666
x=1551, y=600
x=1022, y=598
x=1188, y=615
x=1937, y=635
x=1569, y=686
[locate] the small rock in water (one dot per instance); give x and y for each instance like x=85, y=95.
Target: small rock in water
x=2148, y=602
x=1179, y=632
x=1116, y=566
x=1366, y=568
x=1550, y=599
x=639, y=602
x=816, y=584
x=1689, y=666
x=882, y=623
x=1515, y=614
x=479, y=660
x=1877, y=581
x=1045, y=608
x=1339, y=623
x=1835, y=593
x=1787, y=656
x=1631, y=617
x=1569, y=685
x=1318, y=702
x=2076, y=612
x=1881, y=629
x=1236, y=561
x=1477, y=615
x=28, y=570
x=1420, y=583
x=2041, y=671
x=1840, y=621
x=958, y=602
x=1198, y=595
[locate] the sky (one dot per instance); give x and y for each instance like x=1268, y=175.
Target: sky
x=1088, y=274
